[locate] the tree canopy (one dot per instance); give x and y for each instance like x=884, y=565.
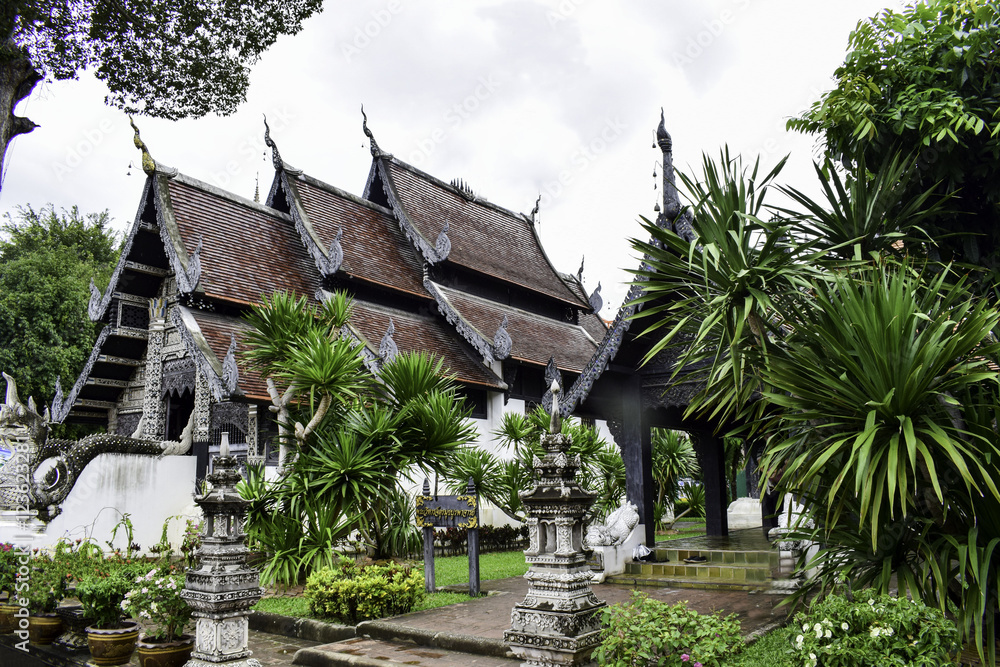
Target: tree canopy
x=163, y=58
x=47, y=260
x=924, y=82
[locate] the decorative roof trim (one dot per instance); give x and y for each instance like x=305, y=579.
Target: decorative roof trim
x=61, y=405
x=208, y=364
x=187, y=268
x=98, y=305
x=464, y=328
x=432, y=254
x=607, y=349
x=327, y=262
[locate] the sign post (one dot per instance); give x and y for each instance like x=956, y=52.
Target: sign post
x=449, y=512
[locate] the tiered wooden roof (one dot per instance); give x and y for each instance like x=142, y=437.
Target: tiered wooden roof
x=431, y=267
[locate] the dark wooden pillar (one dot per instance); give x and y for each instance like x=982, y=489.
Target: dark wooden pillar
x=712, y=459
x=637, y=451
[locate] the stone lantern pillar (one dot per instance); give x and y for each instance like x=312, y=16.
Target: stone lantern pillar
x=222, y=588
x=559, y=621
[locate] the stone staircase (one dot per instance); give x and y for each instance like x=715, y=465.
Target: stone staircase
x=743, y=563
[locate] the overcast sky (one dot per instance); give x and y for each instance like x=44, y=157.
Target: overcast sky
x=518, y=98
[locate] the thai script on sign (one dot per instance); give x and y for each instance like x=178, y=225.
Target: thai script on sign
x=447, y=511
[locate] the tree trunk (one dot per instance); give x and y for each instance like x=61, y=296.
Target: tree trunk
x=17, y=80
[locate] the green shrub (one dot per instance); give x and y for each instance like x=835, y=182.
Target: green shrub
x=872, y=630
x=644, y=632
x=353, y=593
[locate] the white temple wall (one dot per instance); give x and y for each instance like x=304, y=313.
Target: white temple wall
x=148, y=488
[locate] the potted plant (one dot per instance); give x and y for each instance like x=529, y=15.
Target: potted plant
x=8, y=578
x=47, y=584
x=155, y=599
x=110, y=638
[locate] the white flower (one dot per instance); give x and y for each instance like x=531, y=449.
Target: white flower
x=845, y=626
x=827, y=634
x=888, y=631
x=818, y=629
x=874, y=631
x=805, y=627
x=144, y=590
x=812, y=656
x=799, y=640
x=871, y=603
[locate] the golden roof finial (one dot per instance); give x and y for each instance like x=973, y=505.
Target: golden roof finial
x=148, y=164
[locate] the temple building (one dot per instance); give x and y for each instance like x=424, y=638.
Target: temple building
x=431, y=266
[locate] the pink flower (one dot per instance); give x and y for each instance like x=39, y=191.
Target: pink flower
x=697, y=664
x=685, y=657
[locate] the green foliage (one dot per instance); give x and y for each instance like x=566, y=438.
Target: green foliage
x=771, y=650
x=450, y=570
x=872, y=629
x=673, y=459
x=922, y=81
x=644, y=631
x=47, y=260
x=170, y=60
x=354, y=593
x=46, y=585
x=155, y=599
x=101, y=593
x=361, y=433
x=501, y=482
x=9, y=557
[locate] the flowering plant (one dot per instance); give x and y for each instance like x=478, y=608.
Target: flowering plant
x=156, y=598
x=872, y=630
x=8, y=567
x=46, y=586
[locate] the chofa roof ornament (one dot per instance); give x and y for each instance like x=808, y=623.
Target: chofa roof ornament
x=148, y=164
x=373, y=145
x=596, y=301
x=442, y=246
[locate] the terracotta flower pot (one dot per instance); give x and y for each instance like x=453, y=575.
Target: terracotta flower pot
x=165, y=654
x=44, y=628
x=7, y=621
x=112, y=646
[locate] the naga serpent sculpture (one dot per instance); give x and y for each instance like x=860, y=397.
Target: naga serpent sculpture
x=26, y=485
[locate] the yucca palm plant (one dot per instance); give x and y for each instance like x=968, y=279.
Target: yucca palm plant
x=362, y=434
x=673, y=459
x=715, y=301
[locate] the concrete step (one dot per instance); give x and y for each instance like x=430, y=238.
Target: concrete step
x=368, y=652
x=707, y=570
x=704, y=583
x=718, y=556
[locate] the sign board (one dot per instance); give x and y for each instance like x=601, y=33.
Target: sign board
x=447, y=511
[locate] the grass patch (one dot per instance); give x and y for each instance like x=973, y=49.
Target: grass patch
x=286, y=606
x=497, y=565
x=771, y=650
x=683, y=529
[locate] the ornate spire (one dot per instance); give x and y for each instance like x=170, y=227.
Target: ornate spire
x=275, y=155
x=376, y=151
x=671, y=200
x=148, y=164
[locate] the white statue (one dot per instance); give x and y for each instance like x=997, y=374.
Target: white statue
x=616, y=528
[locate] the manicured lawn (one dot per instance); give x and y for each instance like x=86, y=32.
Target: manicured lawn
x=683, y=528
x=450, y=570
